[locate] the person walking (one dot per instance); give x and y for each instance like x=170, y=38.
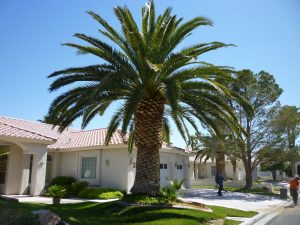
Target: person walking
x=219, y=181
x=294, y=185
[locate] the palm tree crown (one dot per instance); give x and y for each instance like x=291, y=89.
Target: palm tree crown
x=153, y=81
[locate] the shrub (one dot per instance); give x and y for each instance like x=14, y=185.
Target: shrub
x=146, y=199
x=62, y=180
x=171, y=191
x=76, y=187
x=57, y=191
x=95, y=193
x=111, y=195
x=83, y=193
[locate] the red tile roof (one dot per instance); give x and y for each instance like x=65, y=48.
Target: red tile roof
x=9, y=131
x=68, y=139
x=85, y=139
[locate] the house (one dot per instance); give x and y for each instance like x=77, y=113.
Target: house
x=31, y=153
x=207, y=170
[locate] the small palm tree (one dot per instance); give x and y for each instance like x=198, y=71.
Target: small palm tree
x=153, y=80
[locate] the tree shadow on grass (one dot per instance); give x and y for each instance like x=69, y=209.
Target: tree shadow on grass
x=114, y=213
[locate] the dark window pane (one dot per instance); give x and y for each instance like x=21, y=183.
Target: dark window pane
x=161, y=166
x=165, y=166
x=2, y=177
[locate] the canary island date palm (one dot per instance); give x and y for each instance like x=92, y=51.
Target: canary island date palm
x=154, y=81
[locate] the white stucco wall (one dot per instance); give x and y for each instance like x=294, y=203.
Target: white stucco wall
x=68, y=165
x=131, y=170
x=115, y=167
x=111, y=170
x=39, y=164
x=13, y=173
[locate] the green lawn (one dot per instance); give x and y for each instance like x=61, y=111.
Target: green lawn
x=113, y=213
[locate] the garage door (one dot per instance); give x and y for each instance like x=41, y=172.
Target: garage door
x=164, y=172
x=179, y=172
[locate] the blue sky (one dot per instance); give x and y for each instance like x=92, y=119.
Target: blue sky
x=266, y=33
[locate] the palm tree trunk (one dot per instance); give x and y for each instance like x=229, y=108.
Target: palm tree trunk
x=233, y=162
x=148, y=140
x=220, y=161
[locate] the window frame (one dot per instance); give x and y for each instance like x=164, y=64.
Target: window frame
x=94, y=173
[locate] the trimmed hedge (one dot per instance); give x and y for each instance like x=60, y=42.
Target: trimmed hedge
x=111, y=195
x=100, y=193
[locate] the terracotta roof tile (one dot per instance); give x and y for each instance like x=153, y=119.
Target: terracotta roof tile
x=10, y=131
x=88, y=138
x=70, y=139
x=42, y=129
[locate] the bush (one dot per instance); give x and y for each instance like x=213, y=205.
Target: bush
x=171, y=191
x=76, y=187
x=95, y=193
x=146, y=199
x=62, y=180
x=111, y=195
x=72, y=186
x=83, y=193
x=57, y=191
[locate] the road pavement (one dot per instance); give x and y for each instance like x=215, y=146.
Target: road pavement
x=287, y=216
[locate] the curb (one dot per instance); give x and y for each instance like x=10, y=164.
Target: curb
x=256, y=220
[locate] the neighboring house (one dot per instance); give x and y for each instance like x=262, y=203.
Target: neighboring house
x=207, y=170
x=31, y=153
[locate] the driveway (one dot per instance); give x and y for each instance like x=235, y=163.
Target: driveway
x=236, y=200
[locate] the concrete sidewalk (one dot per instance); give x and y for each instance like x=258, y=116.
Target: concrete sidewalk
x=266, y=206
x=236, y=200
x=48, y=200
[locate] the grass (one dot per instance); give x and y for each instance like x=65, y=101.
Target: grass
x=90, y=213
x=232, y=222
x=261, y=191
x=213, y=187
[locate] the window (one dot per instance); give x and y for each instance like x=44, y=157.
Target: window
x=88, y=167
x=3, y=163
x=48, y=169
x=179, y=167
x=163, y=166
x=213, y=170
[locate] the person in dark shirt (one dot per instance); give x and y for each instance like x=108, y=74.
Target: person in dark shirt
x=219, y=182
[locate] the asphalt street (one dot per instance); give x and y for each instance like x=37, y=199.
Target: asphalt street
x=288, y=216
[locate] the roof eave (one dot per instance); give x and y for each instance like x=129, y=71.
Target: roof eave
x=26, y=140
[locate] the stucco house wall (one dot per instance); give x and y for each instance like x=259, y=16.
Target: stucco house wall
x=115, y=166
x=37, y=152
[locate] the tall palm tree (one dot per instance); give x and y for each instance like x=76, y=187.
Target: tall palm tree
x=153, y=80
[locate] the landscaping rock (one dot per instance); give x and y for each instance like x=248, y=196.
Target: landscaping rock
x=63, y=223
x=47, y=217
